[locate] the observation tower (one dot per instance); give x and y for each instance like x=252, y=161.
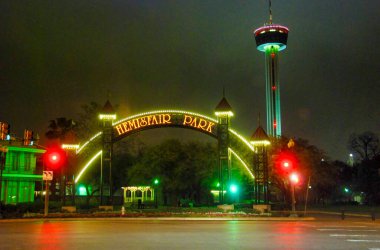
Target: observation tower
x=271, y=39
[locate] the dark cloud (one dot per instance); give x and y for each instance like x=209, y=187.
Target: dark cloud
x=57, y=55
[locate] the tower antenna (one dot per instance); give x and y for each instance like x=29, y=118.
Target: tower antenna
x=270, y=12
x=259, y=120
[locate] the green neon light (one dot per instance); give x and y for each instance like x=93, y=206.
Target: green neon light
x=242, y=162
x=87, y=165
x=271, y=47
x=26, y=149
x=37, y=176
x=263, y=47
x=242, y=139
x=87, y=142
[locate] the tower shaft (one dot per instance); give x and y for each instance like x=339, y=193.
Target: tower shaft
x=273, y=105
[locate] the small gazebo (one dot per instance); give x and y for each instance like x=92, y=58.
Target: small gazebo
x=136, y=193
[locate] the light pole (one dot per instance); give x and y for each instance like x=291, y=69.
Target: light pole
x=46, y=208
x=156, y=182
x=294, y=179
x=233, y=193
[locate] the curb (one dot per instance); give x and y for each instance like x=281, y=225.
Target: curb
x=163, y=219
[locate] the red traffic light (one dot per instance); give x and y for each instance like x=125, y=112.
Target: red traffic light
x=54, y=157
x=286, y=162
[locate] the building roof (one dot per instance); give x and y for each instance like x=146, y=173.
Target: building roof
x=259, y=135
x=70, y=138
x=108, y=108
x=223, y=106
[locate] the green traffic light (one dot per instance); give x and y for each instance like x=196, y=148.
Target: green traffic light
x=346, y=190
x=156, y=181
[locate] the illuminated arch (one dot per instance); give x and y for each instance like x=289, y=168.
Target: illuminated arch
x=204, y=126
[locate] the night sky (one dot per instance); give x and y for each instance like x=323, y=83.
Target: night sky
x=149, y=54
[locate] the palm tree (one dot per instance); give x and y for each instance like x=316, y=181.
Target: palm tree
x=60, y=129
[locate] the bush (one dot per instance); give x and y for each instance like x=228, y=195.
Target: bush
x=18, y=210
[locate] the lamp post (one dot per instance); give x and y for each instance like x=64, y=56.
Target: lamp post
x=294, y=179
x=156, y=182
x=233, y=193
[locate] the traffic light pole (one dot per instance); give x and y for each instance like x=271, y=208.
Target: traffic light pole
x=1, y=190
x=293, y=199
x=46, y=210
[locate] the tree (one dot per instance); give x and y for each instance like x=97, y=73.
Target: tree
x=367, y=179
x=88, y=120
x=186, y=170
x=60, y=129
x=366, y=145
x=311, y=162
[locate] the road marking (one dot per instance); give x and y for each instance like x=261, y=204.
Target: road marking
x=352, y=240
x=348, y=235
x=343, y=226
x=373, y=248
x=348, y=230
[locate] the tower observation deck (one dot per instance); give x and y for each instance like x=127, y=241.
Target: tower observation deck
x=271, y=39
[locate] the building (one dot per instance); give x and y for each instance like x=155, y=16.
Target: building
x=271, y=39
x=18, y=176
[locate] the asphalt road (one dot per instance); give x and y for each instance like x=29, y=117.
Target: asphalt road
x=183, y=234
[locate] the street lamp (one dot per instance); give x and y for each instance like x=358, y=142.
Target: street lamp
x=234, y=192
x=156, y=182
x=294, y=179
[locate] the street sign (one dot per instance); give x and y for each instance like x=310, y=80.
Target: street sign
x=47, y=175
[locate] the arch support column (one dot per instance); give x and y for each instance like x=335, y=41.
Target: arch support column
x=224, y=112
x=107, y=116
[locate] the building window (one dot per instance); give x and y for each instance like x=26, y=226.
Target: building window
x=28, y=161
x=15, y=162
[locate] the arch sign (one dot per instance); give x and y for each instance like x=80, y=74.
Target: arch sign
x=173, y=118
x=164, y=118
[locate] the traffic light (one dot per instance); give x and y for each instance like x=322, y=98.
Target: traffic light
x=286, y=162
x=54, y=157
